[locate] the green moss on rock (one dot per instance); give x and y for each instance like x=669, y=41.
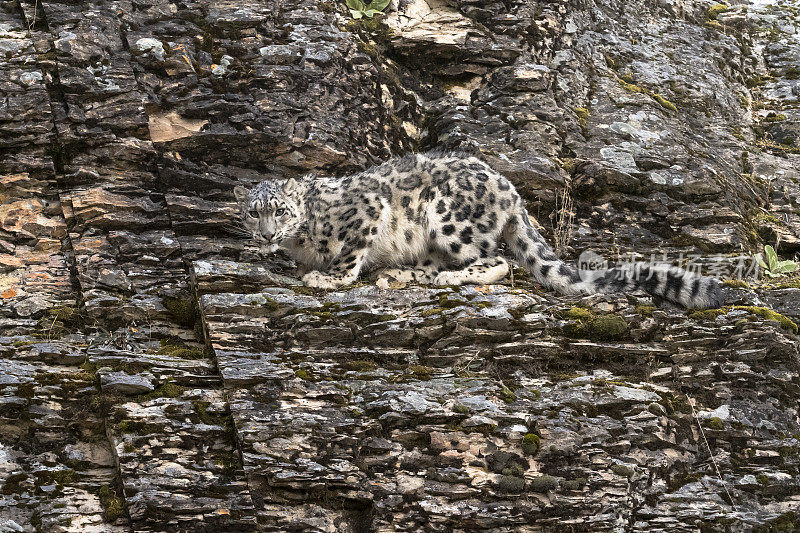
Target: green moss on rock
x=304, y=374
x=183, y=310
x=531, y=444
x=706, y=314
x=361, y=365
x=716, y=10
x=663, y=102
x=111, y=503
x=715, y=423
x=574, y=484
x=167, y=390
x=511, y=484
x=461, y=409
x=421, y=372
x=583, y=118
x=735, y=283
x=543, y=484
x=183, y=351
x=622, y=470
x=769, y=314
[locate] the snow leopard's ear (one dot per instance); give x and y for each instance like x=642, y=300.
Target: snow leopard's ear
x=290, y=185
x=241, y=193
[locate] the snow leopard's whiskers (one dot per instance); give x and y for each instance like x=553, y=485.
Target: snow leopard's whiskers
x=237, y=231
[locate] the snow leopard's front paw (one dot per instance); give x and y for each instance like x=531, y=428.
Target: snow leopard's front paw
x=448, y=277
x=317, y=280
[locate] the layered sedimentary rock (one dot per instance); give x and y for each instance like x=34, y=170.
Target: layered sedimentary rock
x=158, y=374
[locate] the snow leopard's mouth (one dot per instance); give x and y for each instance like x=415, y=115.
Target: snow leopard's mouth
x=269, y=248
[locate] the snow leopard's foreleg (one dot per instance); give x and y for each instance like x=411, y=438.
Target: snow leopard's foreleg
x=350, y=259
x=344, y=270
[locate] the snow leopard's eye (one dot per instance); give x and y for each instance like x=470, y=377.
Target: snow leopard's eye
x=252, y=213
x=280, y=212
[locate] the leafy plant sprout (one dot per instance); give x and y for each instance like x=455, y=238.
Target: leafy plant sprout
x=359, y=9
x=773, y=267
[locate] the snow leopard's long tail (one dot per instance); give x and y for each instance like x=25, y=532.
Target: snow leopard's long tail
x=671, y=283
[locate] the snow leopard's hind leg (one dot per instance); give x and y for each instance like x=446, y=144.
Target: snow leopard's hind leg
x=480, y=272
x=474, y=268
x=423, y=272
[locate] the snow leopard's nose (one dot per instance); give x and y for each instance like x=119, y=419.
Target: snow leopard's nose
x=267, y=236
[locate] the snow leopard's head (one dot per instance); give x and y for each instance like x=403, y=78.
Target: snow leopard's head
x=272, y=211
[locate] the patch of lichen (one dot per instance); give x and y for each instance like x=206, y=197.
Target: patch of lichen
x=577, y=313
x=775, y=117
x=60, y=477
x=326, y=311
x=270, y=304
x=212, y=419
x=645, y=310
x=784, y=284
x=626, y=81
x=507, y=395
x=305, y=291
x=227, y=461
x=714, y=423
x=327, y=7
x=767, y=144
x=111, y=503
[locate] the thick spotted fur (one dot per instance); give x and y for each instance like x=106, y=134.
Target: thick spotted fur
x=431, y=218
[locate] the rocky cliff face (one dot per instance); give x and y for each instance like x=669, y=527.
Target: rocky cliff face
x=157, y=375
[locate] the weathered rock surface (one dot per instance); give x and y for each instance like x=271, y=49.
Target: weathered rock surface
x=156, y=374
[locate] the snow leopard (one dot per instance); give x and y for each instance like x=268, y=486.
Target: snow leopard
x=435, y=218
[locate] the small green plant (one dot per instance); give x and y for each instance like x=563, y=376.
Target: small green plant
x=359, y=9
x=772, y=266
